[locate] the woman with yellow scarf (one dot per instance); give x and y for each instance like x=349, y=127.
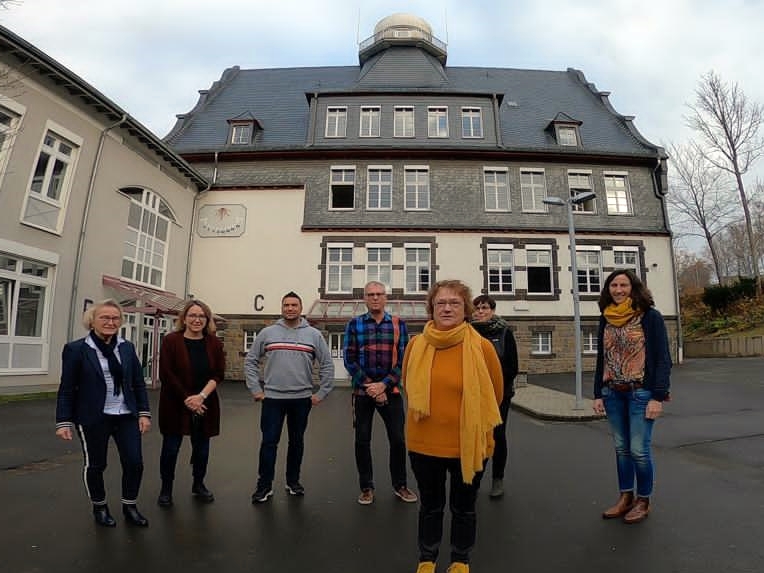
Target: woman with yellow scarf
x=454, y=384
x=631, y=382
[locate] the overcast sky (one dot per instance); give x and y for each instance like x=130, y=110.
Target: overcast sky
x=152, y=56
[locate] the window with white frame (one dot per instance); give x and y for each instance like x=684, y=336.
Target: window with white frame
x=617, y=193
x=437, y=122
x=342, y=187
x=339, y=268
x=336, y=344
x=589, y=340
x=379, y=263
x=472, y=122
x=541, y=342
x=241, y=133
x=500, y=268
x=581, y=182
x=336, y=121
x=249, y=338
x=379, y=188
x=539, y=269
x=416, y=181
x=496, y=188
x=10, y=116
x=533, y=190
x=147, y=235
x=51, y=180
x=626, y=258
x=589, y=270
x=403, y=121
x=25, y=298
x=417, y=268
x=370, y=116
x=567, y=135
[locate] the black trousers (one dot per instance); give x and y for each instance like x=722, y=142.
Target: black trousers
x=200, y=454
x=501, y=451
x=431, y=474
x=393, y=416
x=272, y=415
x=95, y=441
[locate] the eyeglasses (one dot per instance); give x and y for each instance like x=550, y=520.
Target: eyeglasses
x=452, y=303
x=196, y=317
x=483, y=307
x=110, y=318
x=373, y=294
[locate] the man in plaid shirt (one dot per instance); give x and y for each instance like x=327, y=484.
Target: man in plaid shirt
x=373, y=353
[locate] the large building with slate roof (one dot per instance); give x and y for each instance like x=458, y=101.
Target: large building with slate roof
x=405, y=170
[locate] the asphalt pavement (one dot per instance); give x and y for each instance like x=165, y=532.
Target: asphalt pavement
x=708, y=506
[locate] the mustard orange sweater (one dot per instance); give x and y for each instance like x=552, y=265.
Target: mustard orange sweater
x=438, y=434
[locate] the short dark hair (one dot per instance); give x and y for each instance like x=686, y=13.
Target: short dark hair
x=291, y=294
x=485, y=299
x=641, y=297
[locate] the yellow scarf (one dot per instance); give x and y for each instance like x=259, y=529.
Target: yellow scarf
x=479, y=411
x=620, y=314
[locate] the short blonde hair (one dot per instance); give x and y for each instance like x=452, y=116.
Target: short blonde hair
x=87, y=318
x=180, y=322
x=457, y=286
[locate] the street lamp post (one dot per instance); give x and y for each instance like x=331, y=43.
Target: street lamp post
x=568, y=203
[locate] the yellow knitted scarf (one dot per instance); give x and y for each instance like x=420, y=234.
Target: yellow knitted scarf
x=620, y=314
x=479, y=411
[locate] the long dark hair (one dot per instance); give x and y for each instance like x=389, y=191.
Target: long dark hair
x=641, y=297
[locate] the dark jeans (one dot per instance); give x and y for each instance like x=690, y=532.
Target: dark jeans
x=95, y=442
x=501, y=450
x=296, y=411
x=200, y=455
x=393, y=416
x=430, y=473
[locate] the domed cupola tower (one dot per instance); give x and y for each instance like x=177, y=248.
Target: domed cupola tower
x=402, y=30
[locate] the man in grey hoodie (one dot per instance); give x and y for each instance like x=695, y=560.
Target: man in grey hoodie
x=290, y=346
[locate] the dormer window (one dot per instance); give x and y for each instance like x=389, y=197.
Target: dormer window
x=242, y=129
x=565, y=131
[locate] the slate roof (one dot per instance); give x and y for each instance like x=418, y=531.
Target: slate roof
x=530, y=100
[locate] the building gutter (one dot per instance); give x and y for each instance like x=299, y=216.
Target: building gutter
x=193, y=225
x=83, y=228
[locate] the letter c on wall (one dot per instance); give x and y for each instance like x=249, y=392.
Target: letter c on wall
x=259, y=302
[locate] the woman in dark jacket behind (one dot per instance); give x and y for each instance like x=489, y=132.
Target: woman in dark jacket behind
x=191, y=365
x=631, y=382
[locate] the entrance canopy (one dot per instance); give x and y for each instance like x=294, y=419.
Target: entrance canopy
x=137, y=298
x=343, y=310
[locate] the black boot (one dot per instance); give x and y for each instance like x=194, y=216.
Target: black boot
x=201, y=493
x=165, y=495
x=102, y=516
x=133, y=516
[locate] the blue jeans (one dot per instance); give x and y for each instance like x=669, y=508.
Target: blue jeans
x=632, y=435
x=296, y=411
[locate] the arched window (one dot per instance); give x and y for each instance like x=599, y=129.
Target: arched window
x=144, y=257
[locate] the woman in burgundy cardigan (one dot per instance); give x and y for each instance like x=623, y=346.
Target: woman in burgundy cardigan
x=191, y=365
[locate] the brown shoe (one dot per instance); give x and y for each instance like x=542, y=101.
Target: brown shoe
x=639, y=511
x=622, y=506
x=366, y=497
x=405, y=494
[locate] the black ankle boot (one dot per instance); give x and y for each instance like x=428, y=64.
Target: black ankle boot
x=102, y=516
x=165, y=495
x=133, y=516
x=200, y=492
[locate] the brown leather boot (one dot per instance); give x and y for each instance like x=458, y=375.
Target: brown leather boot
x=639, y=511
x=622, y=506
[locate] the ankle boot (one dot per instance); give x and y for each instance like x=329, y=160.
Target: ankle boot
x=103, y=517
x=201, y=493
x=622, y=506
x=165, y=495
x=133, y=516
x=639, y=511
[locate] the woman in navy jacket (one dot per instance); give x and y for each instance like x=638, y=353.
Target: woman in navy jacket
x=631, y=382
x=191, y=366
x=103, y=395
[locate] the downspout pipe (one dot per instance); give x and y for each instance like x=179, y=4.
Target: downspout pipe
x=193, y=225
x=73, y=307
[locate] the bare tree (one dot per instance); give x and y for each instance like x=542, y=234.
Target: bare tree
x=699, y=201
x=693, y=272
x=728, y=124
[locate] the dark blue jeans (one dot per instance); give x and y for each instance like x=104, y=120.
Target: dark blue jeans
x=200, y=455
x=393, y=416
x=501, y=450
x=95, y=443
x=632, y=435
x=296, y=411
x=431, y=474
